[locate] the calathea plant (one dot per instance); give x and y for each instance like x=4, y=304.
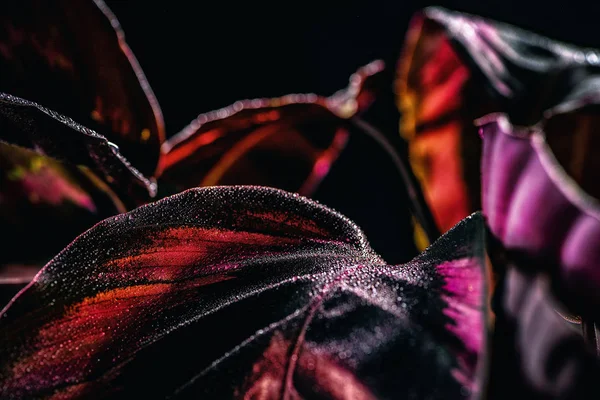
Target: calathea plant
x=191, y=273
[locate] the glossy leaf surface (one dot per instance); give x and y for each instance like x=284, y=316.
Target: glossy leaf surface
x=536, y=353
x=233, y=292
x=457, y=67
x=538, y=212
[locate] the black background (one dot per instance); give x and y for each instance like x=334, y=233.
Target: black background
x=200, y=56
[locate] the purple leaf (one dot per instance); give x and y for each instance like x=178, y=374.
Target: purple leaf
x=539, y=169
x=246, y=291
x=538, y=212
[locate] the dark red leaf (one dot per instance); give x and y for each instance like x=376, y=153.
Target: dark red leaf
x=72, y=58
x=47, y=203
x=229, y=292
x=528, y=76
x=288, y=142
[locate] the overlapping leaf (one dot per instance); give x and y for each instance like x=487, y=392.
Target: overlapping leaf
x=456, y=68
x=288, y=142
x=44, y=204
x=304, y=143
x=538, y=160
x=71, y=58
x=552, y=361
x=45, y=53
x=235, y=292
x=32, y=126
x=439, y=97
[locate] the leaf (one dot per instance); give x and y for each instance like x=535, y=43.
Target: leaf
x=32, y=126
x=372, y=162
x=46, y=202
x=288, y=142
x=302, y=143
x=538, y=212
x=227, y=292
x=539, y=172
x=44, y=205
x=528, y=76
x=539, y=355
x=439, y=97
x=72, y=57
x=458, y=67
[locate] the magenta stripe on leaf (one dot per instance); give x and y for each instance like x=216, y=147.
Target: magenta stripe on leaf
x=230, y=291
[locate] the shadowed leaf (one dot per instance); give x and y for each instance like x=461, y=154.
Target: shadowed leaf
x=46, y=202
x=72, y=58
x=246, y=291
x=32, y=126
x=536, y=353
x=288, y=142
x=44, y=205
x=537, y=211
